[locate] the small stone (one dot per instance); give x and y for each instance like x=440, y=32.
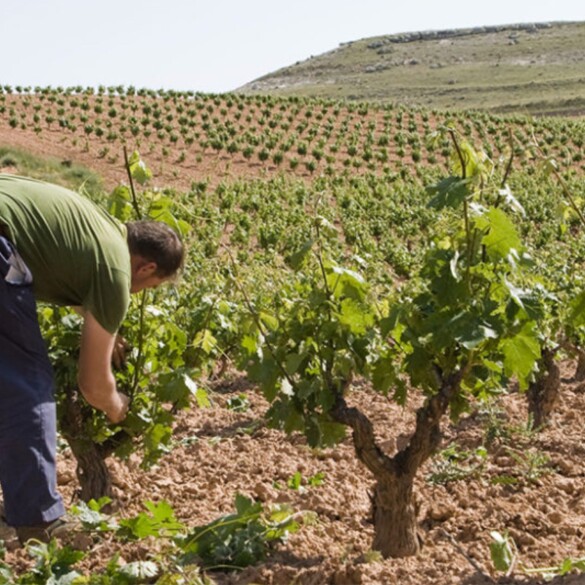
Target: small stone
x=555, y=517
x=65, y=476
x=566, y=485
x=263, y=492
x=440, y=513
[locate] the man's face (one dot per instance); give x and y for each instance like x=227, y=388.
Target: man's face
x=143, y=282
x=144, y=275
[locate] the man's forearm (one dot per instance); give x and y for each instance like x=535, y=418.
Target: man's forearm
x=103, y=395
x=95, y=378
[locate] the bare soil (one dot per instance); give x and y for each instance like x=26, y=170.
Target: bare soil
x=179, y=165
x=530, y=484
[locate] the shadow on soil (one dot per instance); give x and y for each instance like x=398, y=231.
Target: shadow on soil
x=479, y=579
x=285, y=564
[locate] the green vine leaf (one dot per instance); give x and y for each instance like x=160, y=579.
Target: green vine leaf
x=502, y=238
x=521, y=352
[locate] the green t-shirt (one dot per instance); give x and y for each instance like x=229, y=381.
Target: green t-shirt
x=77, y=253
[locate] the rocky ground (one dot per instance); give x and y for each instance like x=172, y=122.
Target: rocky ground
x=528, y=484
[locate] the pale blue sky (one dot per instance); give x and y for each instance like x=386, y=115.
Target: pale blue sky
x=217, y=45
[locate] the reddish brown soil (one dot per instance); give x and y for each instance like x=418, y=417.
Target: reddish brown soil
x=215, y=458
x=180, y=163
x=218, y=456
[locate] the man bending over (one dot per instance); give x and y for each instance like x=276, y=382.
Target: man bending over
x=57, y=246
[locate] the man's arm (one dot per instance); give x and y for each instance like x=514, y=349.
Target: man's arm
x=95, y=378
x=121, y=346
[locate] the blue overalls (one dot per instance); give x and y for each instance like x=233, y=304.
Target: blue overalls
x=28, y=474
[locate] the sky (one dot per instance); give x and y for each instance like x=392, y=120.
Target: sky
x=216, y=46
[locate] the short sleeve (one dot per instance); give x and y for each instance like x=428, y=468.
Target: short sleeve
x=108, y=298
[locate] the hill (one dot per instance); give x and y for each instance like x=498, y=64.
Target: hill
x=524, y=68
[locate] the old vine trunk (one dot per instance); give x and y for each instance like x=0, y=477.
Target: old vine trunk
x=580, y=369
x=394, y=512
x=92, y=472
x=544, y=391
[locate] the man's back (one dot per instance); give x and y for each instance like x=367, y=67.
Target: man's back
x=77, y=253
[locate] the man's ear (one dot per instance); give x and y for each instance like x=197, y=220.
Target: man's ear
x=147, y=268
x=142, y=267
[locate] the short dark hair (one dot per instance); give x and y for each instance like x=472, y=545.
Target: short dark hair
x=156, y=242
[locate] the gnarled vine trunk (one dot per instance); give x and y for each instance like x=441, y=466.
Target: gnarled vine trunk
x=580, y=369
x=394, y=515
x=92, y=472
x=544, y=391
x=394, y=510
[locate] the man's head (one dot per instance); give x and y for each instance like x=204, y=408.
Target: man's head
x=156, y=253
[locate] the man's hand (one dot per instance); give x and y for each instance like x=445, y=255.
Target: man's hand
x=118, y=411
x=121, y=348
